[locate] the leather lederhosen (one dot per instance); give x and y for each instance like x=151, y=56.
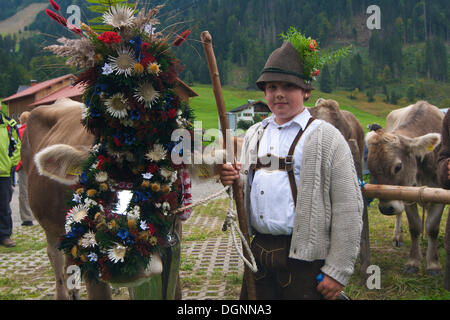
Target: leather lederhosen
x=284, y=164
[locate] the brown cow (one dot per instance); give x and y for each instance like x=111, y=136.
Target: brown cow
x=405, y=154
x=55, y=142
x=353, y=133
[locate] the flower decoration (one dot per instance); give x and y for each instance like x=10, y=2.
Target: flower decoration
x=131, y=108
x=310, y=54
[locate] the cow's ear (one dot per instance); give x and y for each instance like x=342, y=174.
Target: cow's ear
x=422, y=145
x=319, y=101
x=61, y=163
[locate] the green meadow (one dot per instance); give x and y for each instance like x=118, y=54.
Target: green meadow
x=205, y=108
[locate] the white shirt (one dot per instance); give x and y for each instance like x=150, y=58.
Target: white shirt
x=272, y=206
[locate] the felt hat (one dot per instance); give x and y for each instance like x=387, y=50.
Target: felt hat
x=285, y=64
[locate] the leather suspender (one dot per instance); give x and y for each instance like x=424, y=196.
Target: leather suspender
x=287, y=164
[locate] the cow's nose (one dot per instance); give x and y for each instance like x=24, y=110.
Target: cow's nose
x=387, y=211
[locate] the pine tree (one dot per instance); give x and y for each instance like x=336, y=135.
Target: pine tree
x=325, y=83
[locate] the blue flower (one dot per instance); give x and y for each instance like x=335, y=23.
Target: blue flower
x=129, y=139
x=84, y=178
x=123, y=234
x=135, y=115
x=94, y=112
x=136, y=42
x=141, y=196
x=99, y=88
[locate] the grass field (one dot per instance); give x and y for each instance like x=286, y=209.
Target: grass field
x=394, y=284
x=205, y=109
x=22, y=18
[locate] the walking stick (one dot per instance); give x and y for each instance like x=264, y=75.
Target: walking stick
x=237, y=186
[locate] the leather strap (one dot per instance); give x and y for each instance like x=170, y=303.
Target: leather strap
x=286, y=164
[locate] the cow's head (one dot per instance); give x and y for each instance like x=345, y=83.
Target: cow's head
x=392, y=160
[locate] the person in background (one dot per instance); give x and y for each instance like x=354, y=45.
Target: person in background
x=444, y=180
x=9, y=157
x=25, y=212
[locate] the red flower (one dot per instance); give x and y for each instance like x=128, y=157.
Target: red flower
x=117, y=142
x=316, y=73
x=151, y=229
x=313, y=45
x=147, y=59
x=172, y=113
x=152, y=168
x=55, y=5
x=109, y=37
x=61, y=20
x=145, y=46
x=181, y=38
x=101, y=161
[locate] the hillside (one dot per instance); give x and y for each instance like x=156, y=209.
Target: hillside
x=22, y=18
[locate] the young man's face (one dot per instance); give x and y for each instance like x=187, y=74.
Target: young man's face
x=285, y=100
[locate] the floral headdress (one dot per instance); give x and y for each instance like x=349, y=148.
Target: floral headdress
x=310, y=54
x=132, y=109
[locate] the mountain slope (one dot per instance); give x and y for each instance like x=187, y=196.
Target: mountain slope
x=22, y=19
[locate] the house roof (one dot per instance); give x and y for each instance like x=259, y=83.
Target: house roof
x=37, y=87
x=192, y=93
x=66, y=92
x=258, y=104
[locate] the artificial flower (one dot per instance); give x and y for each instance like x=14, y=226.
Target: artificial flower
x=91, y=192
x=110, y=37
x=124, y=62
x=117, y=253
x=147, y=175
x=117, y=105
x=107, y=69
x=103, y=187
x=158, y=153
x=181, y=38
x=55, y=5
x=102, y=176
x=76, y=214
x=145, y=184
x=146, y=93
x=143, y=225
x=93, y=257
x=156, y=187
x=138, y=68
x=154, y=68
x=119, y=16
x=88, y=240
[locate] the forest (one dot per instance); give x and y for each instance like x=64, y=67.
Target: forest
x=407, y=56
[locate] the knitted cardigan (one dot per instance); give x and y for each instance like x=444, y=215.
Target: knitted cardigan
x=328, y=220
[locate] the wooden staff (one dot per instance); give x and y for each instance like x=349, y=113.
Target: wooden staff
x=416, y=194
x=237, y=186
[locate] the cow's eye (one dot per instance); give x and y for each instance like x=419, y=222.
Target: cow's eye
x=397, y=168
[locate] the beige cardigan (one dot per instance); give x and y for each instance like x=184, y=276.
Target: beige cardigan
x=328, y=219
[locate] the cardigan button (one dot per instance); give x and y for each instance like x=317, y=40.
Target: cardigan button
x=246, y=172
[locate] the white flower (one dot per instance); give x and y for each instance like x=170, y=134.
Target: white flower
x=96, y=147
x=147, y=176
x=154, y=68
x=107, y=69
x=101, y=177
x=166, y=173
x=92, y=256
x=76, y=198
x=88, y=240
x=127, y=122
x=84, y=112
x=144, y=225
x=119, y=16
x=148, y=28
x=134, y=214
x=165, y=208
x=124, y=62
x=117, y=105
x=158, y=153
x=146, y=94
x=76, y=214
x=89, y=203
x=117, y=253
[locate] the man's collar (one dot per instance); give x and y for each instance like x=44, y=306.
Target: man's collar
x=301, y=119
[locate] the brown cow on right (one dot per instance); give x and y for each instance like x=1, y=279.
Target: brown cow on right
x=405, y=154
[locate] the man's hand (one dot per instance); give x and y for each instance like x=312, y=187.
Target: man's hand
x=229, y=173
x=329, y=288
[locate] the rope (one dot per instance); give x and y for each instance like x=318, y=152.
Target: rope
x=230, y=222
x=362, y=184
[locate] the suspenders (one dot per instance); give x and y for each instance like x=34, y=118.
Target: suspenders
x=285, y=164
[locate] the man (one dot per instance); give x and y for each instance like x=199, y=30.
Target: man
x=9, y=157
x=444, y=180
x=302, y=198
x=25, y=212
